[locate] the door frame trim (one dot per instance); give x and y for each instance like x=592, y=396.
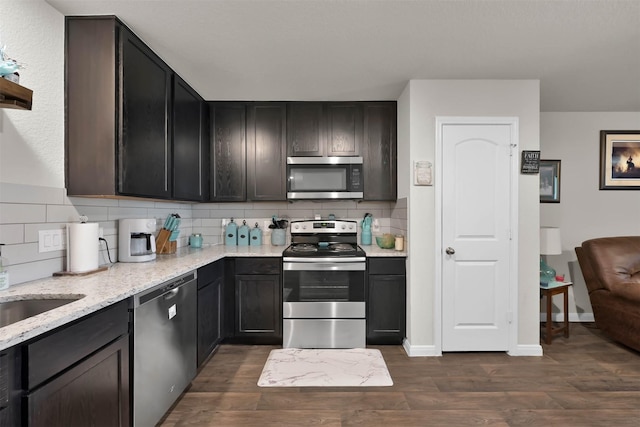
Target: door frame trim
x=513, y=250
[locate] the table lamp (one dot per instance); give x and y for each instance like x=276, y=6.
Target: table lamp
x=549, y=245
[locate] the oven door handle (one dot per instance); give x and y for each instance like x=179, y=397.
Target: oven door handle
x=324, y=266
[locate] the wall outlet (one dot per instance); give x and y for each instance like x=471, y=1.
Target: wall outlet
x=51, y=240
x=265, y=224
x=375, y=225
x=224, y=222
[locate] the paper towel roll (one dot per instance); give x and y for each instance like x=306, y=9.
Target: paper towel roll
x=82, y=247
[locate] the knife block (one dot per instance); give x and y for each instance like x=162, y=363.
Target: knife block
x=163, y=245
x=169, y=248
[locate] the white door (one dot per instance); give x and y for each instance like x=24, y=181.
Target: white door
x=476, y=246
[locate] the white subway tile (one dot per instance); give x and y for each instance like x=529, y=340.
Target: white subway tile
x=22, y=213
x=12, y=233
x=22, y=193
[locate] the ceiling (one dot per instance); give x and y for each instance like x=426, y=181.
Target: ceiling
x=586, y=53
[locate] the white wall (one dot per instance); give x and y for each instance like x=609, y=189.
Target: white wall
x=32, y=148
x=584, y=211
x=425, y=100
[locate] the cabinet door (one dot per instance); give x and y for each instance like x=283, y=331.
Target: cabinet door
x=344, y=128
x=10, y=387
x=190, y=144
x=386, y=309
x=266, y=155
x=91, y=55
x=379, y=151
x=258, y=306
x=228, y=151
x=94, y=392
x=144, y=143
x=210, y=281
x=305, y=129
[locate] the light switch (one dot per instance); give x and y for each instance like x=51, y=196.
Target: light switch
x=51, y=240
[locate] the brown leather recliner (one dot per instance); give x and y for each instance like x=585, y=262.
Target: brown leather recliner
x=611, y=270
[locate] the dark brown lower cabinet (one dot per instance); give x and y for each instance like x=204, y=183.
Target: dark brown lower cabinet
x=386, y=300
x=210, y=286
x=10, y=387
x=95, y=392
x=78, y=374
x=258, y=301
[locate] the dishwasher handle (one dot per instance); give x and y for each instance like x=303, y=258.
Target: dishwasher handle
x=172, y=293
x=165, y=288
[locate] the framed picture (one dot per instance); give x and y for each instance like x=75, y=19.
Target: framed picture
x=550, y=181
x=620, y=160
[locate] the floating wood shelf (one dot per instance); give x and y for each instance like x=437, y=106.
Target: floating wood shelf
x=13, y=95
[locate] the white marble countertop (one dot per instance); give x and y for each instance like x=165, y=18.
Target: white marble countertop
x=120, y=281
x=376, y=251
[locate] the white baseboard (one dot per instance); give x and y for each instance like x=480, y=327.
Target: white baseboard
x=526, y=350
x=419, y=350
x=573, y=317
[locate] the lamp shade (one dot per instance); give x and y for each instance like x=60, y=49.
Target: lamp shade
x=550, y=243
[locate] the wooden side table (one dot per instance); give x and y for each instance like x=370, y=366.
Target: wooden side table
x=556, y=288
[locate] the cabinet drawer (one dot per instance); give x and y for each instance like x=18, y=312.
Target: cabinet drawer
x=258, y=265
x=395, y=265
x=67, y=345
x=209, y=273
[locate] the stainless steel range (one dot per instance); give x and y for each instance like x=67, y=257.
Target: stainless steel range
x=324, y=286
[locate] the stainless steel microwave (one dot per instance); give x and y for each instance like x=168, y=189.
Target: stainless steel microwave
x=324, y=178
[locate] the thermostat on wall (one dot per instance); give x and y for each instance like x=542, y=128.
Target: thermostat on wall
x=422, y=174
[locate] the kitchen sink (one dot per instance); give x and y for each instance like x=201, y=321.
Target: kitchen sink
x=17, y=310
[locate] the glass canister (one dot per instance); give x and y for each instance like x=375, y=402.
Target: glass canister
x=255, y=236
x=243, y=234
x=231, y=234
x=195, y=240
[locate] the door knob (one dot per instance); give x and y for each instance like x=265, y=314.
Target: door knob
x=450, y=251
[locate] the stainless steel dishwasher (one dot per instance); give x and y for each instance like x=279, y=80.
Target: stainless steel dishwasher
x=164, y=347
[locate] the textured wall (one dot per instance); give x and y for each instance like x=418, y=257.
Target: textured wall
x=32, y=147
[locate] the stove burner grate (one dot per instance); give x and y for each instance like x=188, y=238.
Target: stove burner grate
x=304, y=247
x=342, y=247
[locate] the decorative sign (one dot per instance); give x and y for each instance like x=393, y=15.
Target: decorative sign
x=422, y=173
x=530, y=162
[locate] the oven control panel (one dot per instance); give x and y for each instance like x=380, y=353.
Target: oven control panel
x=315, y=226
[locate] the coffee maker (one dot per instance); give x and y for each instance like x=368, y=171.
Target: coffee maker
x=136, y=242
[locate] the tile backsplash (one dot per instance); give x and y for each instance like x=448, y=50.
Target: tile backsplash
x=25, y=210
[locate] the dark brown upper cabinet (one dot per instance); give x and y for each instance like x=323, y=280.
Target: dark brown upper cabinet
x=305, y=129
x=228, y=151
x=380, y=151
x=344, y=123
x=190, y=143
x=119, y=115
x=145, y=140
x=324, y=128
x=266, y=151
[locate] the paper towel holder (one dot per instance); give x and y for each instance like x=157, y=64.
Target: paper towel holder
x=83, y=220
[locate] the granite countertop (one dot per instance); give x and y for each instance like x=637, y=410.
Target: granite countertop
x=376, y=251
x=120, y=281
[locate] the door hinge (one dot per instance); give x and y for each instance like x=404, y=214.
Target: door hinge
x=509, y=316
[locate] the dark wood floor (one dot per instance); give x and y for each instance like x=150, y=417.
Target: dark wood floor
x=585, y=380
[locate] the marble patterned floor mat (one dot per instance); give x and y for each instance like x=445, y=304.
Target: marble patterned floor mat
x=294, y=367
